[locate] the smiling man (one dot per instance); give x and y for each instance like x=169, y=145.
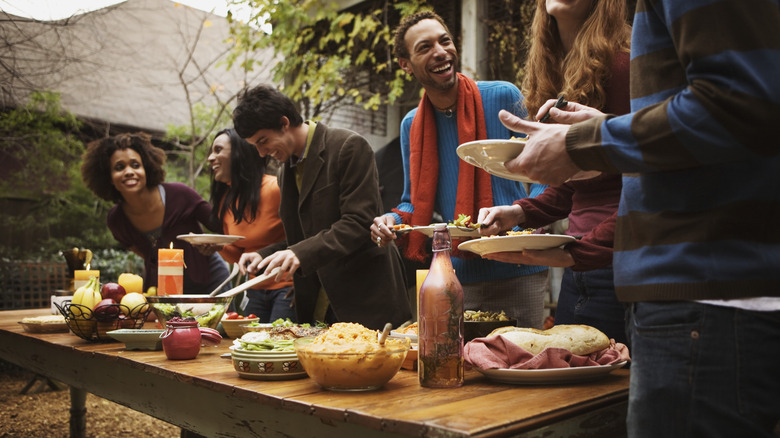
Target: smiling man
x=455, y=110
x=330, y=193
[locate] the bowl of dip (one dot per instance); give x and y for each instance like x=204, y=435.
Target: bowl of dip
x=348, y=357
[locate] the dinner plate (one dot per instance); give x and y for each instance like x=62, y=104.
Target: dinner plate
x=138, y=339
x=550, y=376
x=490, y=156
x=488, y=245
x=204, y=239
x=455, y=231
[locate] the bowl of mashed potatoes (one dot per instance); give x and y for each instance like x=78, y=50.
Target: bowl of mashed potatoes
x=348, y=357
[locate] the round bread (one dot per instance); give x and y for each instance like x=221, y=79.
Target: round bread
x=579, y=339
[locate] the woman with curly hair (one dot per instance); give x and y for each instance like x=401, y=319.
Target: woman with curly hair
x=246, y=202
x=127, y=169
x=579, y=50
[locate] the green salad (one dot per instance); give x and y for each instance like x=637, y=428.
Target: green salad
x=205, y=319
x=258, y=341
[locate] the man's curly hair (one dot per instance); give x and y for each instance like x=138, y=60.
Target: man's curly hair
x=399, y=45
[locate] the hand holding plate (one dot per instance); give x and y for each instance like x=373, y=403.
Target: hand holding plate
x=544, y=157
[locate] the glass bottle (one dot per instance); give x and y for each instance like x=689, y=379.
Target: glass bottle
x=440, y=334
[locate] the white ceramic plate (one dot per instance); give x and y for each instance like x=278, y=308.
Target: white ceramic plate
x=455, y=231
x=138, y=339
x=490, y=156
x=550, y=376
x=204, y=239
x=488, y=245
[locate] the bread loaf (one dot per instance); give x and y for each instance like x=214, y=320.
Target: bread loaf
x=579, y=339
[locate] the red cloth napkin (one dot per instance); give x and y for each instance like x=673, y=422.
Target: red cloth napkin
x=498, y=352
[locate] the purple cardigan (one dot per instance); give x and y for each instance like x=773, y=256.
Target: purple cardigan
x=185, y=211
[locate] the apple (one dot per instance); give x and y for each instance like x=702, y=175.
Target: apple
x=134, y=304
x=114, y=291
x=106, y=310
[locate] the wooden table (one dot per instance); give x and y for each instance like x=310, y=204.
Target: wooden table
x=206, y=395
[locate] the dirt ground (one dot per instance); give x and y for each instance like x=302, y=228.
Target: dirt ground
x=44, y=412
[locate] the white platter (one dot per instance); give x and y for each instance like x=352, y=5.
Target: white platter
x=205, y=239
x=490, y=156
x=489, y=245
x=550, y=376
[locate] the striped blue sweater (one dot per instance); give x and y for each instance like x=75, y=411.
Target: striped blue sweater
x=700, y=210
x=495, y=97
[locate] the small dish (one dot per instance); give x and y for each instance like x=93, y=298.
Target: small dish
x=232, y=327
x=400, y=335
x=138, y=339
x=45, y=326
x=480, y=329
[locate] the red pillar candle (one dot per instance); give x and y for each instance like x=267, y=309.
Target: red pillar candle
x=170, y=271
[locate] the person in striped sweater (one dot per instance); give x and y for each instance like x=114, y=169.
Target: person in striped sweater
x=697, y=248
x=455, y=110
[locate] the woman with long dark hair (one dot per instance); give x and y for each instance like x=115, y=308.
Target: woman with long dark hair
x=246, y=201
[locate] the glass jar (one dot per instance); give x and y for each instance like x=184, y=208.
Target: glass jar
x=181, y=340
x=440, y=334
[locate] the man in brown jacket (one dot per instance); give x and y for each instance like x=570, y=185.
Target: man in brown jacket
x=330, y=195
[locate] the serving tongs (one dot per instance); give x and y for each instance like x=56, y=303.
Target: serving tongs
x=230, y=277
x=248, y=284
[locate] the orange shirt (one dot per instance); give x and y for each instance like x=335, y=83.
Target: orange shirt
x=264, y=230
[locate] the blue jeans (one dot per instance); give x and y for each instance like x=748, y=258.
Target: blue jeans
x=270, y=305
x=703, y=371
x=589, y=298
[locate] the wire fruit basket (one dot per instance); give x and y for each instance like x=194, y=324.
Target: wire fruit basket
x=94, y=325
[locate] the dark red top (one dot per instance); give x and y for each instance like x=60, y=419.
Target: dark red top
x=591, y=205
x=185, y=211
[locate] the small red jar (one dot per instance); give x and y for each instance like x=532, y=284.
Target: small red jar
x=181, y=340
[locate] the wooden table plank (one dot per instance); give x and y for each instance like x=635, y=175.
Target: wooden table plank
x=231, y=406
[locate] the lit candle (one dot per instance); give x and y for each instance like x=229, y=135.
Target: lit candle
x=82, y=276
x=170, y=271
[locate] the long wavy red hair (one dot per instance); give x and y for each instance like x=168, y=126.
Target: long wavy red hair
x=581, y=74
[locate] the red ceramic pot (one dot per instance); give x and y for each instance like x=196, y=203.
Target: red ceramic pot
x=181, y=340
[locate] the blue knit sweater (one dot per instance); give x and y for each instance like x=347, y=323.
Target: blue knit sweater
x=495, y=97
x=700, y=207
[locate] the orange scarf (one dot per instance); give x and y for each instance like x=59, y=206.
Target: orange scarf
x=474, y=187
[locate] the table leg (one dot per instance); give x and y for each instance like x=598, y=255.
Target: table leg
x=78, y=412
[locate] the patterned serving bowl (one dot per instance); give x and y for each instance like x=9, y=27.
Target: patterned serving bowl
x=267, y=365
